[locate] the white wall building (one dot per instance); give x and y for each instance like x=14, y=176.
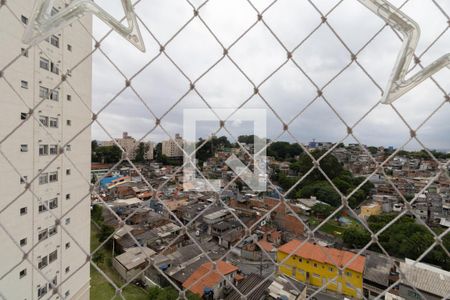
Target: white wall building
x=55, y=236
x=170, y=148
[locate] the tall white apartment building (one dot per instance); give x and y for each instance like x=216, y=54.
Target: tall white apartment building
x=45, y=224
x=170, y=148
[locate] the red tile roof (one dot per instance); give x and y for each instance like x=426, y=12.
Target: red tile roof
x=321, y=254
x=210, y=280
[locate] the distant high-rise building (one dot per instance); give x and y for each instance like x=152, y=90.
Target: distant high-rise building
x=45, y=215
x=131, y=146
x=173, y=147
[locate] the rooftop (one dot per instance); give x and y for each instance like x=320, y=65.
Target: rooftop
x=321, y=254
x=197, y=282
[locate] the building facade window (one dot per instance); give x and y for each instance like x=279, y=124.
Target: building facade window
x=24, y=148
x=52, y=256
x=24, y=52
x=52, y=204
x=24, y=84
x=53, y=122
x=43, y=178
x=53, y=149
x=23, y=116
x=54, y=40
x=23, y=179
x=42, y=207
x=54, y=95
x=43, y=150
x=69, y=97
x=23, y=273
x=42, y=291
x=67, y=196
x=69, y=122
x=54, y=68
x=68, y=172
x=67, y=221
x=43, y=92
x=42, y=262
x=24, y=19
x=23, y=211
x=53, y=177
x=67, y=269
x=42, y=235
x=67, y=245
x=23, y=242
x=43, y=120
x=44, y=64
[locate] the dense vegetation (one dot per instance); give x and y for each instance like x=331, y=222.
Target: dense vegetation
x=315, y=183
x=284, y=150
x=404, y=238
x=168, y=293
x=106, y=154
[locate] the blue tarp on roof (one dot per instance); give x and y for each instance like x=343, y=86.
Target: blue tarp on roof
x=107, y=180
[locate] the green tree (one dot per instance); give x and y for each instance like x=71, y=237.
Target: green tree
x=322, y=210
x=322, y=190
x=356, y=237
x=96, y=213
x=141, y=150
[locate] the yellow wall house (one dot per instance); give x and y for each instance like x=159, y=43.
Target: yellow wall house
x=373, y=209
x=317, y=265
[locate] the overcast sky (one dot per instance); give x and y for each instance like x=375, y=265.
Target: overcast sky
x=258, y=54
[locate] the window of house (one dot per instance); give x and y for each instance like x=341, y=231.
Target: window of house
x=68, y=172
x=348, y=274
x=42, y=290
x=67, y=293
x=54, y=40
x=24, y=84
x=23, y=273
x=52, y=204
x=43, y=150
x=23, y=242
x=315, y=265
x=68, y=147
x=24, y=148
x=44, y=63
x=67, y=269
x=69, y=97
x=23, y=116
x=43, y=178
x=54, y=95
x=67, y=196
x=69, y=47
x=24, y=19
x=43, y=120
x=67, y=245
x=54, y=11
x=43, y=262
x=43, y=207
x=69, y=122
x=53, y=122
x=67, y=221
x=53, y=176
x=23, y=211
x=42, y=235
x=52, y=256
x=54, y=68
x=331, y=269
x=24, y=52
x=23, y=179
x=43, y=92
